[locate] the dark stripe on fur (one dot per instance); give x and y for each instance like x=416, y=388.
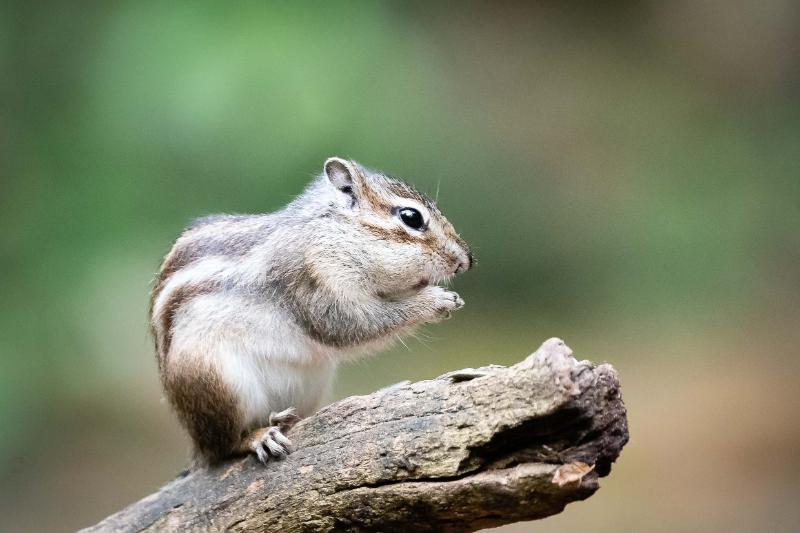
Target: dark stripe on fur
x=179, y=297
x=403, y=190
x=395, y=234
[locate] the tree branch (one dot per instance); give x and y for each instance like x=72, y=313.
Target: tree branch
x=471, y=449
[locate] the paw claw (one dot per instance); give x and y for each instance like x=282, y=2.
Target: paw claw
x=270, y=444
x=281, y=439
x=262, y=455
x=276, y=449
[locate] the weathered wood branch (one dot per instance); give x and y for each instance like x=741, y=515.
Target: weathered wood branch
x=468, y=450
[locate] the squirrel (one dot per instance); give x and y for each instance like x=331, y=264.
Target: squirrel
x=252, y=313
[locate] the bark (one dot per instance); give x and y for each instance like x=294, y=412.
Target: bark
x=471, y=449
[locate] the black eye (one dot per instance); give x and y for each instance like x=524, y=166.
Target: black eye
x=411, y=218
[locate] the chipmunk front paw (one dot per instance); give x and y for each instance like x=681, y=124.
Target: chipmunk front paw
x=444, y=303
x=270, y=443
x=285, y=420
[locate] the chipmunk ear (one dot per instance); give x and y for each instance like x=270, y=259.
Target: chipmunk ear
x=342, y=174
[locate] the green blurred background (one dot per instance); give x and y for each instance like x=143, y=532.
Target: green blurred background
x=628, y=174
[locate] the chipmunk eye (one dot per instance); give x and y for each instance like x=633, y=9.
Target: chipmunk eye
x=411, y=218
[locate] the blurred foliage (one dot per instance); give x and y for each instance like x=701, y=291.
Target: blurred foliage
x=623, y=170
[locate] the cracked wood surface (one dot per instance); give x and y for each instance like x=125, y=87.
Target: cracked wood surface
x=471, y=449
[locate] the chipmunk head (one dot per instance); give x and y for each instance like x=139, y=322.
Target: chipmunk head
x=410, y=243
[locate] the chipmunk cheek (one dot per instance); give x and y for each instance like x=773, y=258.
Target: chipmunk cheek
x=421, y=284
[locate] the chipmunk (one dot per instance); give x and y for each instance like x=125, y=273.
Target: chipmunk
x=252, y=313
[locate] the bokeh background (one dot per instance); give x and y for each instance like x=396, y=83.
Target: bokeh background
x=627, y=172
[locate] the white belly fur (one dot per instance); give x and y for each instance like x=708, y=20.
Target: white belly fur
x=263, y=357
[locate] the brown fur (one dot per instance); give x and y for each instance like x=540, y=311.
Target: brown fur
x=175, y=260
x=179, y=297
x=400, y=189
x=185, y=251
x=207, y=409
x=394, y=234
x=375, y=201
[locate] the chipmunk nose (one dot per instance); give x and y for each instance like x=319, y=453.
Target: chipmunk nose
x=464, y=263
